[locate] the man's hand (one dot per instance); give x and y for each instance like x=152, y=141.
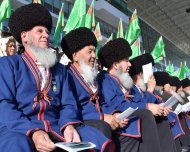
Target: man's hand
x=151, y=84
x=114, y=122
x=156, y=109
x=167, y=110
x=71, y=135
x=122, y=123
x=42, y=141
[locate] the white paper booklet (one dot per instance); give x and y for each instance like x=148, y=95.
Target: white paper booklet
x=126, y=113
x=178, y=109
x=186, y=107
x=75, y=146
x=170, y=102
x=147, y=71
x=173, y=100
x=188, y=98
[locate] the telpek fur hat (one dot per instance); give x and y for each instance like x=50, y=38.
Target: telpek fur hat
x=138, y=62
x=76, y=40
x=185, y=82
x=174, y=81
x=26, y=17
x=114, y=51
x=161, y=78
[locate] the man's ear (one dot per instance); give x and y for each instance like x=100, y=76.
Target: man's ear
x=24, y=37
x=75, y=57
x=115, y=65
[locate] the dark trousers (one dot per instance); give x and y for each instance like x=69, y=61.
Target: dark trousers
x=184, y=140
x=102, y=126
x=149, y=142
x=167, y=143
x=125, y=144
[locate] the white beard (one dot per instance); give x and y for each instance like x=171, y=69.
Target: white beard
x=125, y=79
x=182, y=94
x=187, y=92
x=88, y=72
x=45, y=56
x=142, y=85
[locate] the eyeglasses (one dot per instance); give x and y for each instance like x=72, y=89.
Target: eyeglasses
x=12, y=46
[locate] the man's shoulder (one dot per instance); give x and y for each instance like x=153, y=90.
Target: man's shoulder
x=13, y=59
x=103, y=74
x=59, y=67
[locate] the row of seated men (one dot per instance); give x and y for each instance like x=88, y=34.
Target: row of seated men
x=43, y=102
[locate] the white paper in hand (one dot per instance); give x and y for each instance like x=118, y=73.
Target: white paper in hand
x=75, y=146
x=178, y=109
x=147, y=71
x=125, y=114
x=170, y=102
x=188, y=98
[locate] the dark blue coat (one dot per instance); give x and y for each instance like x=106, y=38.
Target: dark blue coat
x=24, y=108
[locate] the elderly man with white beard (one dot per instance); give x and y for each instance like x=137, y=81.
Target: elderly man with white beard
x=35, y=91
x=141, y=133
x=79, y=46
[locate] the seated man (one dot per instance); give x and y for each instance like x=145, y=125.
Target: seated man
x=143, y=93
x=186, y=89
x=35, y=91
x=183, y=140
x=114, y=86
x=79, y=46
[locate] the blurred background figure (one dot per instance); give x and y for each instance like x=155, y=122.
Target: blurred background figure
x=11, y=47
x=8, y=45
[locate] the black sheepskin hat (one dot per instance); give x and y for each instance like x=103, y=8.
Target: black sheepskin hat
x=161, y=78
x=185, y=82
x=76, y=40
x=174, y=81
x=26, y=17
x=138, y=62
x=114, y=51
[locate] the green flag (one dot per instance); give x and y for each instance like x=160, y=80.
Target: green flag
x=170, y=68
x=37, y=1
x=120, y=29
x=5, y=10
x=133, y=29
x=97, y=33
x=110, y=38
x=135, y=49
x=59, y=26
x=158, y=52
x=183, y=72
x=90, y=18
x=77, y=16
x=175, y=73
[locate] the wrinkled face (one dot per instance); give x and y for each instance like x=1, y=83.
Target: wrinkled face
x=167, y=87
x=187, y=88
x=180, y=89
x=39, y=36
x=173, y=88
x=87, y=54
x=11, y=48
x=123, y=65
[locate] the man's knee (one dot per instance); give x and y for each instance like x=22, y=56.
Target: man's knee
x=20, y=141
x=102, y=126
x=144, y=113
x=106, y=129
